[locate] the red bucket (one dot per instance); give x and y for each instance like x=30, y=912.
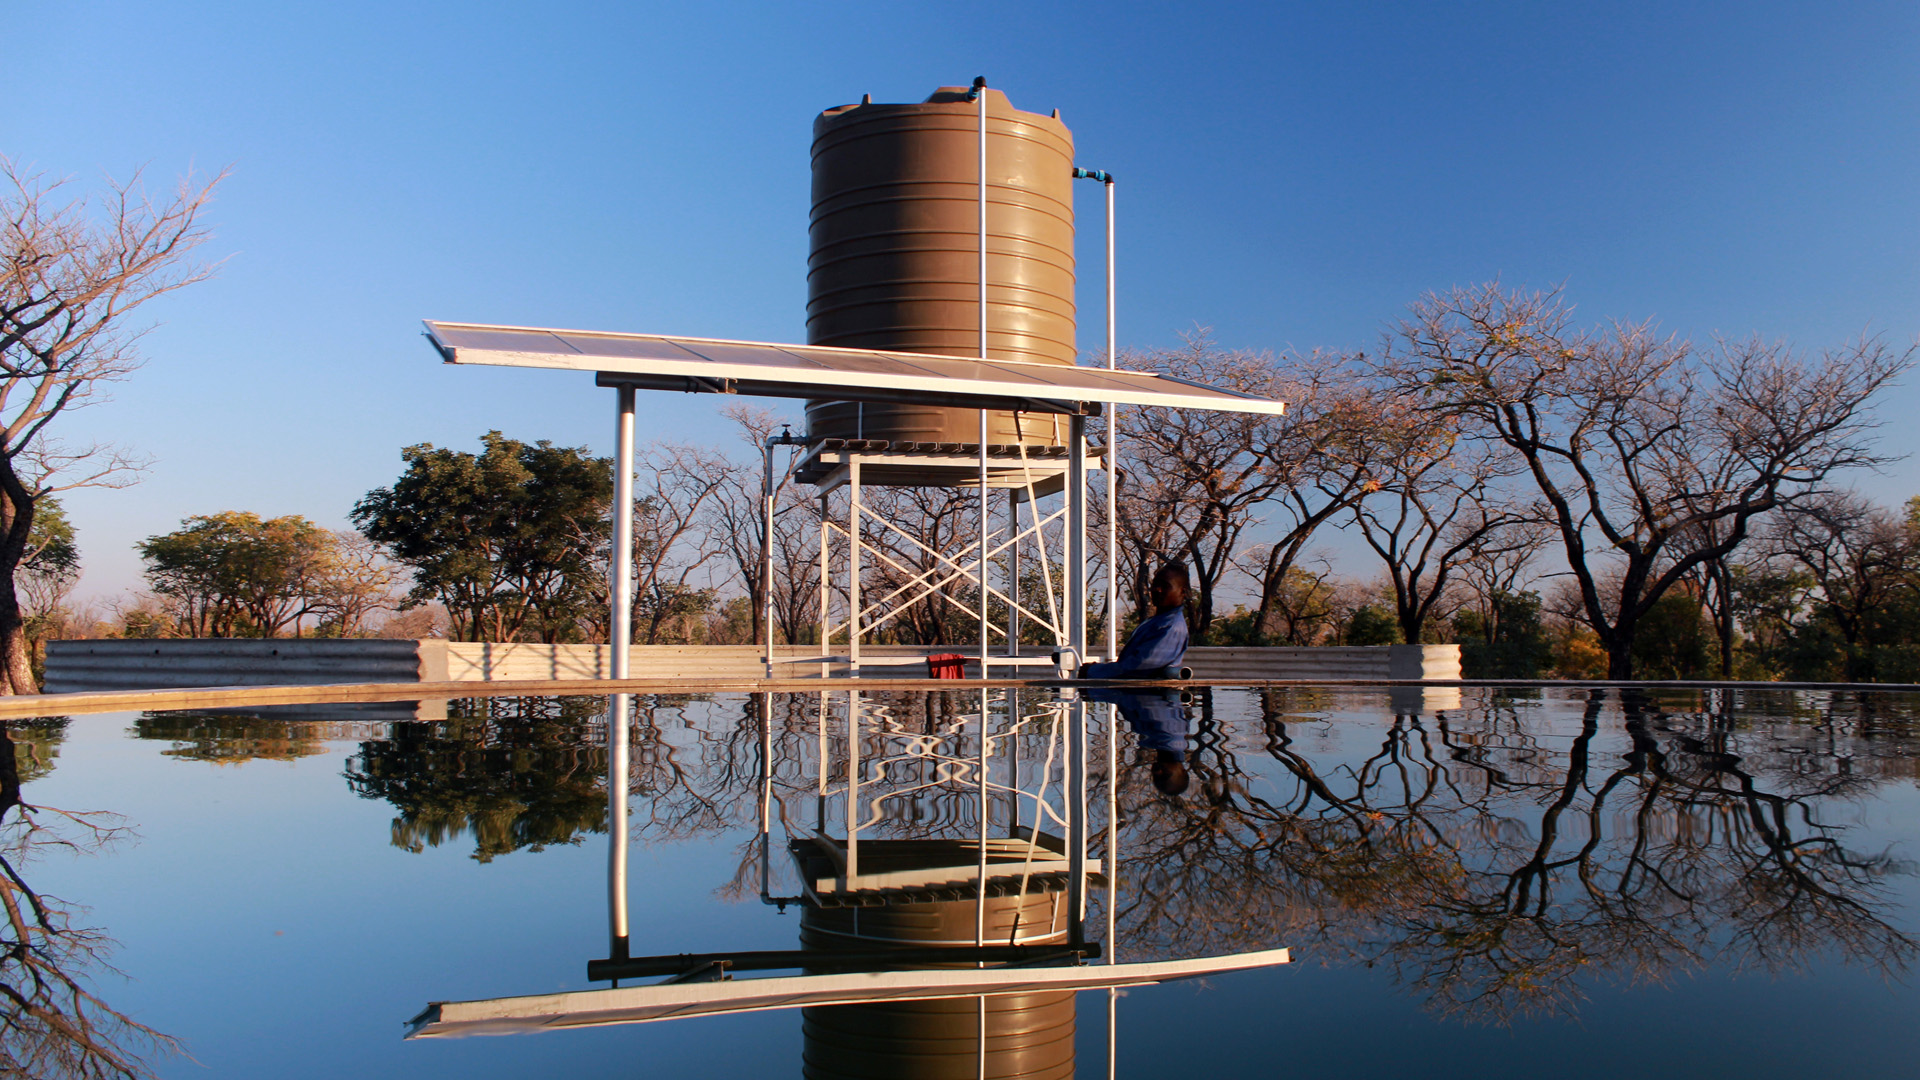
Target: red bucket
x=946, y=666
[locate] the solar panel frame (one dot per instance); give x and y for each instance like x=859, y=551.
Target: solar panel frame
x=757, y=368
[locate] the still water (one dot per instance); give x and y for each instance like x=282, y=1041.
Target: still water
x=1476, y=882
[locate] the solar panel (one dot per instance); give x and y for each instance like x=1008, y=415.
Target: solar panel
x=667, y=1001
x=767, y=369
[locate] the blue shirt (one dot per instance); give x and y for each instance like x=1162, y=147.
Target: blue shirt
x=1156, y=716
x=1158, y=643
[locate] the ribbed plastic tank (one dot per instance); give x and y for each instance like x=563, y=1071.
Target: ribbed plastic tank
x=894, y=253
x=1028, y=1035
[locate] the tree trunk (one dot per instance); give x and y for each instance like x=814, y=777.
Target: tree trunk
x=16, y=662
x=1620, y=658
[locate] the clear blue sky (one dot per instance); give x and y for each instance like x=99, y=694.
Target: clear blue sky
x=1290, y=175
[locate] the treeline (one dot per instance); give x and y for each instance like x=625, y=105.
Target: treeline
x=1560, y=500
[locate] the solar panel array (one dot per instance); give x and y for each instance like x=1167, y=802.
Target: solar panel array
x=812, y=371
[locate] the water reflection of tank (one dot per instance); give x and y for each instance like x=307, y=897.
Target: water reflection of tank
x=1028, y=1035
x=894, y=257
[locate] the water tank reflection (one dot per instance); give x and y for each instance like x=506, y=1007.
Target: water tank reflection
x=1027, y=1035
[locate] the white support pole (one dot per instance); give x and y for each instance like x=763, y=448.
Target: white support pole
x=826, y=594
x=1076, y=613
x=620, y=588
x=981, y=97
x=1077, y=821
x=1112, y=865
x=617, y=840
x=986, y=522
x=1013, y=572
x=980, y=897
x=853, y=787
x=1113, y=459
x=853, y=567
x=620, y=642
x=980, y=87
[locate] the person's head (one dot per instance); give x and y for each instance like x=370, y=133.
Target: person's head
x=1169, y=773
x=1169, y=588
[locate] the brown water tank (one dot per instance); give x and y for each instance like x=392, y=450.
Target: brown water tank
x=1028, y=1035
x=894, y=252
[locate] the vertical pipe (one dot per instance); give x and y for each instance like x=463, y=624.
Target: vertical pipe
x=980, y=897
x=766, y=555
x=1112, y=864
x=826, y=595
x=1077, y=821
x=1113, y=459
x=853, y=567
x=985, y=536
x=853, y=786
x=1113, y=1029
x=1076, y=613
x=1013, y=572
x=620, y=588
x=620, y=644
x=766, y=793
x=617, y=840
x=980, y=94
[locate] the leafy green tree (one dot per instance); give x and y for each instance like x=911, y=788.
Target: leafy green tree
x=233, y=574
x=1373, y=624
x=510, y=541
x=45, y=576
x=1674, y=640
x=1513, y=644
x=511, y=773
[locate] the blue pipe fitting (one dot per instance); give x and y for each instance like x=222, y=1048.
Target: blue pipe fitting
x=1092, y=174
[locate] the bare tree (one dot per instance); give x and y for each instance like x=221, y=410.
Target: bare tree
x=737, y=526
x=675, y=491
x=1859, y=556
x=71, y=273
x=1635, y=443
x=1438, y=507
x=355, y=582
x=1496, y=566
x=51, y=1022
x=1195, y=483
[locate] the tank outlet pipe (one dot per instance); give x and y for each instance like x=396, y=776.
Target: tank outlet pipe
x=1113, y=433
x=767, y=490
x=978, y=94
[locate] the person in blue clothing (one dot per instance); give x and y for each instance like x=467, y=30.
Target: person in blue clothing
x=1158, y=644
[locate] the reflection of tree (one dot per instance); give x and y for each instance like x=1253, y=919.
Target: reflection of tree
x=36, y=743
x=514, y=772
x=1492, y=867
x=230, y=738
x=51, y=1025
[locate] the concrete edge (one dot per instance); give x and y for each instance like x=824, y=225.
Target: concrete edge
x=232, y=697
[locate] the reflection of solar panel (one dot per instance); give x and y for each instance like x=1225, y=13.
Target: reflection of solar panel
x=666, y=1001
x=760, y=369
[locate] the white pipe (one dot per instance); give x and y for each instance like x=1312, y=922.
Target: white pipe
x=620, y=642
x=1112, y=866
x=853, y=566
x=617, y=824
x=766, y=554
x=620, y=585
x=1076, y=612
x=1113, y=459
x=981, y=94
